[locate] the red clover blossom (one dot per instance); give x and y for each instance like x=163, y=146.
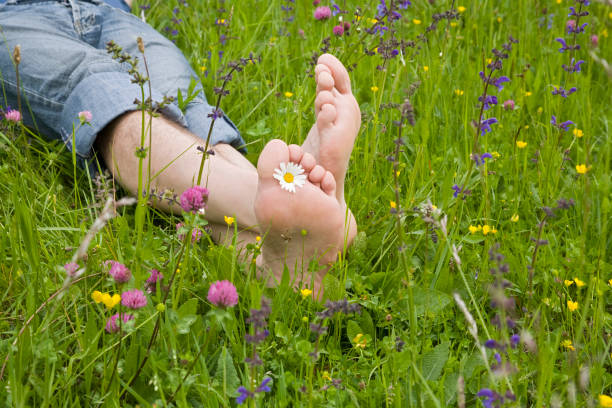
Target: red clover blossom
x=194, y=199
x=223, y=294
x=133, y=299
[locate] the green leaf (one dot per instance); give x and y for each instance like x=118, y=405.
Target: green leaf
x=190, y=307
x=353, y=329
x=366, y=323
x=184, y=323
x=281, y=330
x=226, y=372
x=430, y=301
x=433, y=362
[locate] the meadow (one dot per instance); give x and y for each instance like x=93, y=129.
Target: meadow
x=480, y=180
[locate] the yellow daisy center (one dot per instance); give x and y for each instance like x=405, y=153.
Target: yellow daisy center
x=288, y=177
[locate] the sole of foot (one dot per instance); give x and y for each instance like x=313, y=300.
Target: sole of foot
x=301, y=226
x=338, y=120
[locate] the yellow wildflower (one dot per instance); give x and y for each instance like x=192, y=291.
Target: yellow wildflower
x=305, y=293
x=578, y=133
x=425, y=68
x=527, y=93
x=203, y=68
x=458, y=92
x=514, y=218
x=325, y=375
x=486, y=229
x=572, y=306
x=305, y=319
x=461, y=9
x=568, y=345
x=568, y=282
x=474, y=229
x=559, y=1
x=495, y=155
x=96, y=296
x=258, y=238
x=360, y=341
x=393, y=204
x=540, y=110
x=499, y=19
x=374, y=88
x=229, y=220
x=604, y=400
x=453, y=24
x=581, y=168
x=579, y=283
x=610, y=282
x=416, y=21
x=288, y=94
x=489, y=60
x=520, y=144
x=110, y=301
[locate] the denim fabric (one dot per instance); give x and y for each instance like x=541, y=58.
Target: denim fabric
x=65, y=69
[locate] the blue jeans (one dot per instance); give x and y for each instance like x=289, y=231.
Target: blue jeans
x=65, y=69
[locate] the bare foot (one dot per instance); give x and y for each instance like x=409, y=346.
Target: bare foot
x=338, y=119
x=300, y=226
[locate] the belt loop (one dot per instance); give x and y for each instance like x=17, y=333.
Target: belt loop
x=76, y=16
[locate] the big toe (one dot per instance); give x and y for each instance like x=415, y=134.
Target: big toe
x=340, y=75
x=275, y=152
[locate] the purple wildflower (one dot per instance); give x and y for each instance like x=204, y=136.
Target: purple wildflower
x=111, y=323
x=338, y=30
x=571, y=28
x=223, y=294
x=322, y=13
x=573, y=67
x=514, y=340
x=263, y=387
x=492, y=344
x=499, y=81
x=119, y=272
x=563, y=125
x=379, y=28
x=133, y=299
x=488, y=100
x=194, y=199
x=151, y=282
x=563, y=92
x=485, y=125
x=383, y=10
x=244, y=394
x=457, y=190
x=335, y=10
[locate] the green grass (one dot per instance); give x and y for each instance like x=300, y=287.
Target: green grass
x=65, y=358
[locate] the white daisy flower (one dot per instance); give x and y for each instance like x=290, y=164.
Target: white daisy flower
x=289, y=176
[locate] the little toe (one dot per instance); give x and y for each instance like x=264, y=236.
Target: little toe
x=295, y=153
x=340, y=75
x=308, y=162
x=323, y=97
x=317, y=174
x=326, y=116
x=274, y=153
x=328, y=184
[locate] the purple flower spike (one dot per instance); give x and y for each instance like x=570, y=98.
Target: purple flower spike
x=492, y=344
x=457, y=190
x=264, y=385
x=499, y=81
x=563, y=92
x=563, y=125
x=485, y=125
x=573, y=67
x=497, y=358
x=486, y=392
x=244, y=394
x=514, y=340
x=488, y=100
x=564, y=46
